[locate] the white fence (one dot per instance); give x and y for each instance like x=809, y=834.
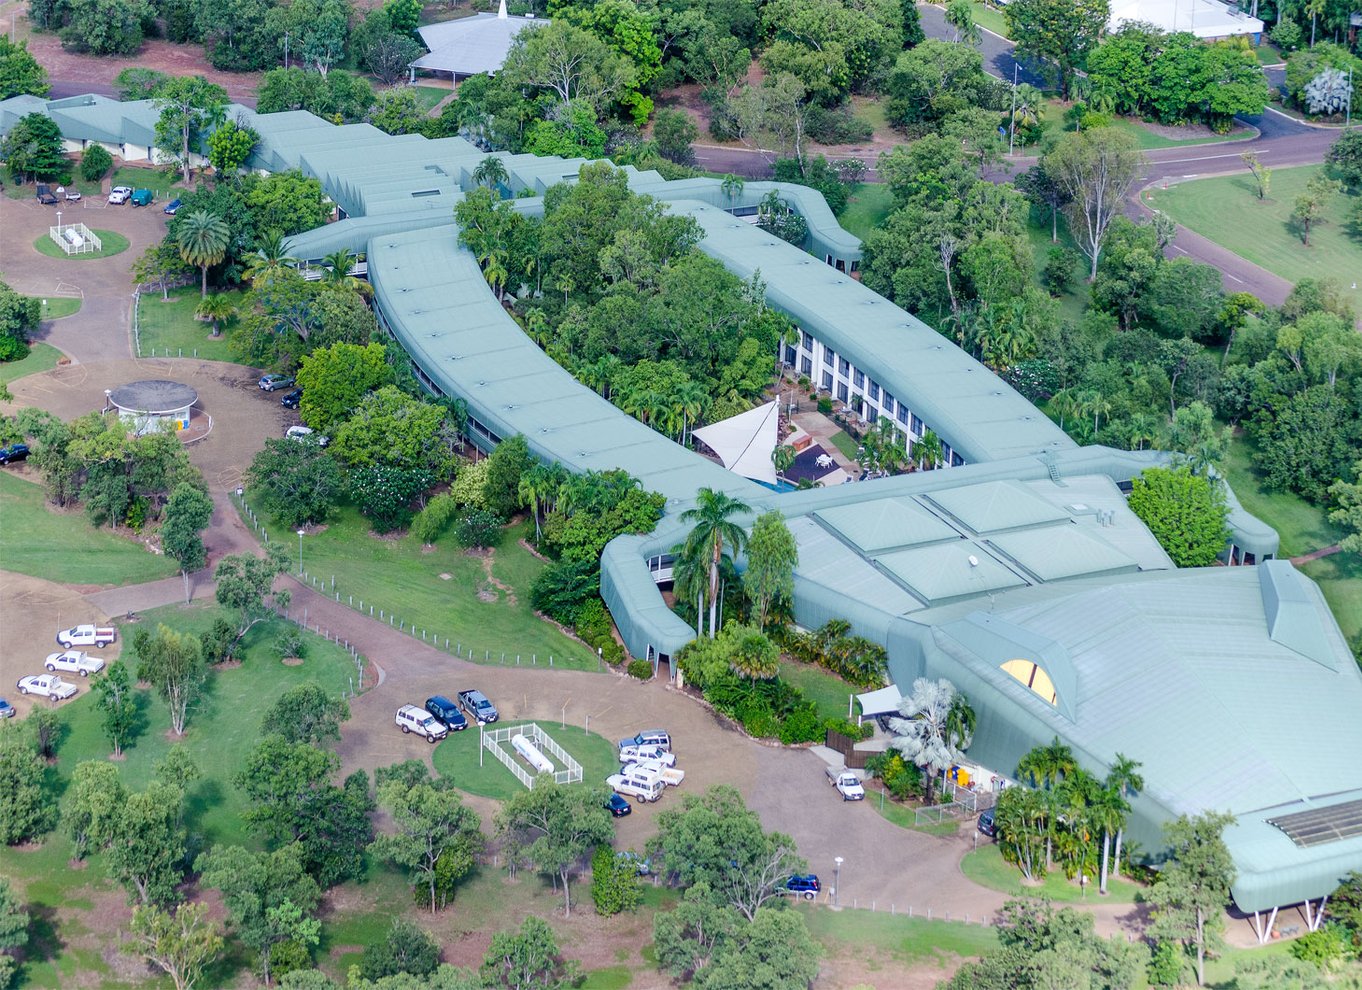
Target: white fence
x=493, y=739
x=75, y=238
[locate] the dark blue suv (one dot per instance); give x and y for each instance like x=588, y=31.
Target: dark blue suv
x=446, y=712
x=804, y=885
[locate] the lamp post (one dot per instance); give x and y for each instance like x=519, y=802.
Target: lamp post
x=837, y=882
x=300, y=553
x=59, y=223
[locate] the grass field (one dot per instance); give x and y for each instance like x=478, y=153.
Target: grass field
x=1146, y=139
x=906, y=940
x=63, y=546
x=41, y=357
x=845, y=443
x=428, y=96
x=170, y=326
x=866, y=208
x=444, y=590
x=991, y=18
x=55, y=307
x=110, y=244
x=903, y=816
x=457, y=759
x=986, y=867
x=1074, y=302
x=827, y=691
x=1228, y=211
x=158, y=181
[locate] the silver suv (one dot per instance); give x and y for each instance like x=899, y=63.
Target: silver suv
x=412, y=719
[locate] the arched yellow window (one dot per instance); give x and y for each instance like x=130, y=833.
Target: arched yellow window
x=1031, y=674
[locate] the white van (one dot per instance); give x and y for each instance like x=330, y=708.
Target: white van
x=641, y=787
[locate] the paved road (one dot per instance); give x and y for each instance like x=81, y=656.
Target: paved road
x=996, y=50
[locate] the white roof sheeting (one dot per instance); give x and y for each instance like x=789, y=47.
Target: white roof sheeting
x=472, y=45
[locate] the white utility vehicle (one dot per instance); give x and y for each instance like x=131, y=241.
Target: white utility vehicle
x=639, y=786
x=74, y=662
x=656, y=769
x=49, y=684
x=634, y=754
x=410, y=718
x=87, y=635
x=847, y=783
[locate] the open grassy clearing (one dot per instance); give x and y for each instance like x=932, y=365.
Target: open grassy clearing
x=1146, y=139
x=111, y=243
x=986, y=867
x=909, y=941
x=903, y=815
x=827, y=691
x=1074, y=302
x=1228, y=211
x=63, y=546
x=442, y=589
x=845, y=443
x=170, y=326
x=428, y=96
x=457, y=759
x=160, y=182
x=866, y=208
x=41, y=357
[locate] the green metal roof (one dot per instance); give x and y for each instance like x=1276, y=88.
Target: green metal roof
x=1053, y=553
x=947, y=571
x=886, y=524
x=997, y=506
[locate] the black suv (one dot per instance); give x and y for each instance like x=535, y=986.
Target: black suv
x=13, y=455
x=291, y=400
x=446, y=712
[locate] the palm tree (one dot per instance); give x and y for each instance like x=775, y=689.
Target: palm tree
x=783, y=457
x=1065, y=403
x=732, y=187
x=269, y=257
x=491, y=172
x=1045, y=768
x=689, y=579
x=930, y=732
x=1125, y=778
x=494, y=269
x=202, y=239
x=1141, y=429
x=692, y=398
x=926, y=450
x=715, y=529
x=216, y=309
x=755, y=656
x=338, y=266
x=565, y=283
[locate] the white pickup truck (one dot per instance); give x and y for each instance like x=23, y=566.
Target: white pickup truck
x=639, y=786
x=74, y=662
x=847, y=783
x=49, y=684
x=657, y=770
x=87, y=635
x=652, y=751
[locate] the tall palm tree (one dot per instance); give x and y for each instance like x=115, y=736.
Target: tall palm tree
x=494, y=270
x=269, y=257
x=202, y=239
x=1045, y=768
x=783, y=457
x=689, y=579
x=336, y=272
x=216, y=309
x=926, y=450
x=692, y=399
x=732, y=187
x=929, y=733
x=491, y=172
x=715, y=529
x=1124, y=776
x=1065, y=403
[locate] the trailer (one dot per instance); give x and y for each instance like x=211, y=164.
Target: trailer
x=670, y=775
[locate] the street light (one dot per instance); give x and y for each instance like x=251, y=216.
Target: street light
x=837, y=882
x=59, y=223
x=300, y=553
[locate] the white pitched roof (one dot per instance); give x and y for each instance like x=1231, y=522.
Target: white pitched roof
x=471, y=45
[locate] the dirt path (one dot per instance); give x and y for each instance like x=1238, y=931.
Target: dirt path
x=1317, y=554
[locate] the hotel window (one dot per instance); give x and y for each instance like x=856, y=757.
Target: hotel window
x=874, y=391
x=844, y=367
x=903, y=414
x=888, y=404
x=829, y=355
x=827, y=381
x=858, y=379
x=917, y=426
x=806, y=366
x=806, y=340
x=842, y=391
x=956, y=460
x=871, y=414
x=790, y=353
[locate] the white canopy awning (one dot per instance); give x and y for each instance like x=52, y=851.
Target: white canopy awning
x=744, y=442
x=885, y=701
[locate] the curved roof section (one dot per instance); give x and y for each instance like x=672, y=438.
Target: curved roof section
x=153, y=396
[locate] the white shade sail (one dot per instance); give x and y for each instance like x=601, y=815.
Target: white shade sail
x=744, y=442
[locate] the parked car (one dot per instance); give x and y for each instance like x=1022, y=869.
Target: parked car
x=847, y=783
x=409, y=719
x=74, y=662
x=120, y=195
x=641, y=788
x=44, y=194
x=171, y=207
x=306, y=433
x=49, y=684
x=669, y=775
x=634, y=754
x=618, y=805
x=446, y=712
x=987, y=825
x=142, y=197
x=7, y=711
x=649, y=737
x=803, y=885
x=14, y=453
x=73, y=195
x=477, y=706
x=272, y=383
x=87, y=635
x=291, y=400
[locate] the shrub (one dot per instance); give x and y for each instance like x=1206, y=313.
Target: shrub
x=1059, y=269
x=405, y=949
x=95, y=163
x=1324, y=947
x=825, y=405
x=1165, y=966
x=802, y=725
x=1286, y=35
x=291, y=644
x=478, y=529
x=593, y=621
x=612, y=653
x=219, y=643
x=435, y=518
x=837, y=125
x=287, y=956
x=642, y=669
x=901, y=779
x=562, y=591
x=756, y=716
x=614, y=882
x=846, y=727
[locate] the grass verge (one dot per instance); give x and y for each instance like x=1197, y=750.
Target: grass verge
x=905, y=817
x=986, y=867
x=63, y=546
x=428, y=96
x=906, y=940
x=1228, y=211
x=170, y=326
x=56, y=307
x=478, y=603
x=990, y=18
x=111, y=244
x=457, y=759
x=41, y=357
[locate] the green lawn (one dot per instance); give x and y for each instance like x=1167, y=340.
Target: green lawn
x=986, y=867
x=457, y=758
x=428, y=96
x=1228, y=211
x=56, y=307
x=171, y=326
x=990, y=17
x=1145, y=138
x=907, y=940
x=63, y=546
x=871, y=110
x=846, y=443
x=828, y=691
x=158, y=181
x=41, y=357
x=866, y=208
x=904, y=816
x=1074, y=302
x=444, y=591
x=110, y=244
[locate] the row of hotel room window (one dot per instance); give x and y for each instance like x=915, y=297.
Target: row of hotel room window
x=849, y=383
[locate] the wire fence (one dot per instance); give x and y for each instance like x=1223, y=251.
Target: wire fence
x=136, y=320
x=447, y=644
x=357, y=681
